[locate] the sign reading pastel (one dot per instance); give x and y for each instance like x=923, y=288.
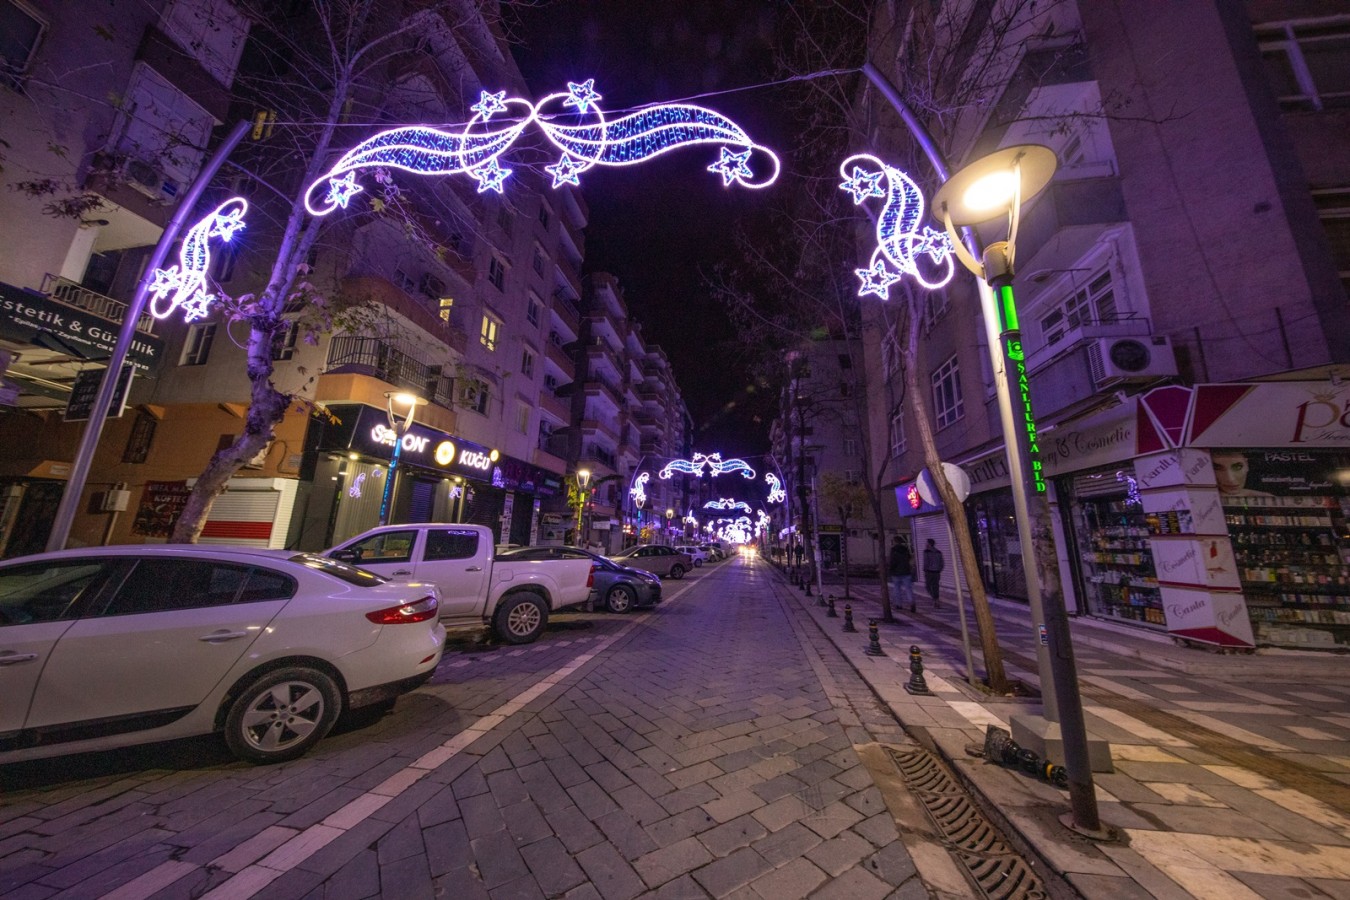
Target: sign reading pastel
x=900, y=242
x=476, y=149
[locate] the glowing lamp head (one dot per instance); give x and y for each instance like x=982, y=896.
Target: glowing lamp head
x=403, y=399
x=992, y=193
x=986, y=188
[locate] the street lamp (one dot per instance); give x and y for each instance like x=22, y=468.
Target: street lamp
x=989, y=188
x=670, y=515
x=583, y=480
x=411, y=401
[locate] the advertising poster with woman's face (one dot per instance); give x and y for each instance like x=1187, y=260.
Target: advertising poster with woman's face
x=1279, y=473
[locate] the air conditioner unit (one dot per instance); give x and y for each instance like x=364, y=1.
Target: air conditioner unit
x=1121, y=359
x=150, y=180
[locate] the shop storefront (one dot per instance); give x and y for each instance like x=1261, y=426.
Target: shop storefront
x=439, y=478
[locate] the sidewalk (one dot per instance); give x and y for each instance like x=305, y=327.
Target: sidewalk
x=1232, y=771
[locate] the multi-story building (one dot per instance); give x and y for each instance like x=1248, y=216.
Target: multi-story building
x=1181, y=286
x=626, y=408
x=469, y=299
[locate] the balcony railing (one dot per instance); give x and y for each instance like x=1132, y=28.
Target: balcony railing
x=72, y=294
x=382, y=360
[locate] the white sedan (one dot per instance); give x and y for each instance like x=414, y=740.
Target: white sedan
x=113, y=646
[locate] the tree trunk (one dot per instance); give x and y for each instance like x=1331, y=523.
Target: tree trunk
x=955, y=511
x=843, y=552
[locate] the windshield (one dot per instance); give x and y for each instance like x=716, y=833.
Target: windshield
x=348, y=573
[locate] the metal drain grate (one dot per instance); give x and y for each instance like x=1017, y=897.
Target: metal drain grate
x=998, y=870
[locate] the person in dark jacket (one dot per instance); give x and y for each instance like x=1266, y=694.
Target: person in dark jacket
x=900, y=572
x=932, y=569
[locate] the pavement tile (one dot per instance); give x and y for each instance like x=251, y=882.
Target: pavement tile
x=407, y=878
x=447, y=847
x=855, y=884
x=797, y=878
x=838, y=854
x=668, y=863
x=552, y=866
x=733, y=835
x=683, y=888
x=526, y=823
x=609, y=873
x=591, y=799
x=687, y=798
x=481, y=815
x=787, y=844
x=782, y=812
x=574, y=829
x=625, y=835
x=679, y=826
x=638, y=804
x=724, y=809
x=723, y=876
x=692, y=775
x=497, y=859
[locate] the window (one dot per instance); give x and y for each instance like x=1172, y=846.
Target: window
x=497, y=273
x=475, y=396
x=20, y=33
x=934, y=307
x=446, y=307
x=46, y=592
x=504, y=218
x=534, y=309
x=450, y=543
x=142, y=435
x=898, y=433
x=1308, y=64
x=850, y=447
x=538, y=262
x=543, y=215
x=488, y=336
x=523, y=418
x=405, y=282
x=1092, y=304
x=283, y=341
x=546, y=429
x=1333, y=208
x=197, y=348
x=384, y=547
x=947, y=404
x=163, y=585
x=527, y=363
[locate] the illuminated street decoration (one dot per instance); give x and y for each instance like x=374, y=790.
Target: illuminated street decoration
x=639, y=489
x=762, y=522
x=355, y=490
x=732, y=465
x=900, y=242
x=594, y=141
x=727, y=503
x=776, y=492
x=689, y=519
x=712, y=462
x=184, y=285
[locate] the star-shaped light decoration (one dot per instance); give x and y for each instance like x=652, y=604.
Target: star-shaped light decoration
x=341, y=190
x=876, y=280
x=225, y=226
x=863, y=184
x=491, y=176
x=198, y=306
x=935, y=243
x=732, y=167
x=489, y=104
x=565, y=171
x=581, y=95
x=165, y=282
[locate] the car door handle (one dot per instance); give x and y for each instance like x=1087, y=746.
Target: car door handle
x=474, y=569
x=401, y=572
x=220, y=637
x=9, y=659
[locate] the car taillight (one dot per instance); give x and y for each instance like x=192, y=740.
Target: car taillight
x=418, y=611
x=590, y=578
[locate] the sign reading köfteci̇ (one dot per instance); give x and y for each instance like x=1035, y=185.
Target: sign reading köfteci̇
x=162, y=503
x=26, y=314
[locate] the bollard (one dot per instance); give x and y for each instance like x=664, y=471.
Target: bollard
x=831, y=614
x=916, y=684
x=999, y=747
x=820, y=600
x=848, y=618
x=873, y=647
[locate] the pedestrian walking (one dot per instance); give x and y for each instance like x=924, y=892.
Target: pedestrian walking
x=932, y=569
x=900, y=571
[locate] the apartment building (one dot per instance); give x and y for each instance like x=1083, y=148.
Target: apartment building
x=626, y=410
x=468, y=299
x=1181, y=286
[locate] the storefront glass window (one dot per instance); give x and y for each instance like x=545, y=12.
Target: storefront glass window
x=1111, y=536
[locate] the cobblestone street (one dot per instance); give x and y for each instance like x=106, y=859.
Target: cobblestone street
x=704, y=749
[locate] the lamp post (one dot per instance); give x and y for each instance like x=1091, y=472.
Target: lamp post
x=989, y=188
x=400, y=432
x=670, y=515
x=582, y=480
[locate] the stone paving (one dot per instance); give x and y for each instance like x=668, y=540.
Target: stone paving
x=706, y=749
x=1231, y=771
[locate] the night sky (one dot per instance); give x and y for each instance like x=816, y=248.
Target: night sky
x=662, y=225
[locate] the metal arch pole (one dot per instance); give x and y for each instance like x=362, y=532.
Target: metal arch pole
x=93, y=429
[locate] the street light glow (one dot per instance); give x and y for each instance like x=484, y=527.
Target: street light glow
x=405, y=399
x=992, y=193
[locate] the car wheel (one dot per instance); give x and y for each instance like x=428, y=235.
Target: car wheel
x=677, y=571
x=697, y=563
x=520, y=619
x=281, y=715
x=619, y=599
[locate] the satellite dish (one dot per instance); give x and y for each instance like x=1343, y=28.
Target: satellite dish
x=960, y=482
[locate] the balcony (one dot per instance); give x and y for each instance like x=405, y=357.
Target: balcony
x=72, y=294
x=599, y=387
x=560, y=358
x=555, y=406
x=382, y=360
x=1121, y=326
x=382, y=292
x=162, y=54
x=565, y=308
x=1066, y=204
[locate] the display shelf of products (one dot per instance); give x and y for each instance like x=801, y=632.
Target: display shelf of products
x=1117, y=564
x=1293, y=557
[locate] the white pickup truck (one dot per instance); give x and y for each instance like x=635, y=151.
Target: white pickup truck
x=478, y=588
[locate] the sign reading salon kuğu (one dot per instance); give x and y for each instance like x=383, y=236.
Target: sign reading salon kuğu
x=24, y=314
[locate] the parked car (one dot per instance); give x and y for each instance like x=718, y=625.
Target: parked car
x=510, y=594
x=657, y=559
x=112, y=646
x=621, y=588
x=714, y=552
x=695, y=552
x=721, y=548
